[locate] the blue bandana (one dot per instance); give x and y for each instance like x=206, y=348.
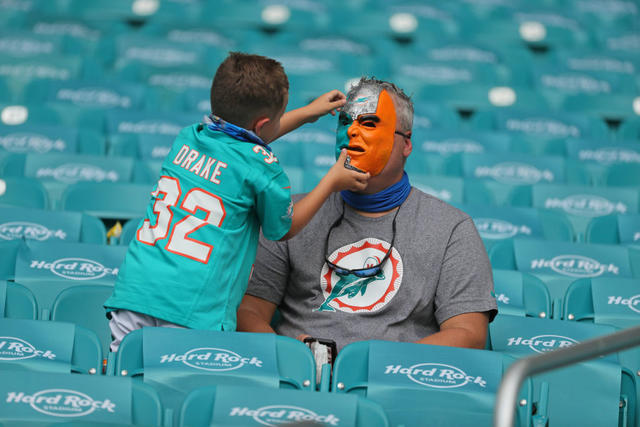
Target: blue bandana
x=215, y=123
x=384, y=200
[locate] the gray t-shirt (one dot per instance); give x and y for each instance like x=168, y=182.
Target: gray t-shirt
x=438, y=268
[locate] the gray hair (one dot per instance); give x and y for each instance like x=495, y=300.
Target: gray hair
x=403, y=103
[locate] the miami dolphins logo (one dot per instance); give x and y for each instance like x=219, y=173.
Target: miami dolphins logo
x=353, y=294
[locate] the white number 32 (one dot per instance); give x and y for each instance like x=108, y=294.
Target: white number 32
x=168, y=195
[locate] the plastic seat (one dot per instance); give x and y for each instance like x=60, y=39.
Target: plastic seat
x=521, y=294
x=19, y=302
x=363, y=412
x=28, y=138
x=224, y=358
x=513, y=168
x=559, y=263
x=623, y=175
x=543, y=123
x=88, y=94
x=129, y=230
x=446, y=188
x=83, y=306
x=497, y=224
x=380, y=370
x=149, y=122
x=23, y=192
x=614, y=229
x=595, y=156
x=582, y=203
x=48, y=268
x=596, y=392
x=65, y=347
x=107, y=200
x=118, y=401
x=143, y=146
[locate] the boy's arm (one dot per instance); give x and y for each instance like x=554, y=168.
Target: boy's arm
x=326, y=103
x=338, y=178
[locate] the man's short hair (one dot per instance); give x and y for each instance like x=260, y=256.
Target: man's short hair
x=402, y=102
x=246, y=87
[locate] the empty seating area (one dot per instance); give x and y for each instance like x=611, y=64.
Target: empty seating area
x=527, y=117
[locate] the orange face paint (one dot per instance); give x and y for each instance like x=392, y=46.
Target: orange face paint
x=371, y=136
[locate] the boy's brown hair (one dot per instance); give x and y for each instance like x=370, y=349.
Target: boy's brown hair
x=246, y=87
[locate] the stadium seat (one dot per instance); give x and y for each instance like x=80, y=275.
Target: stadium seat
x=447, y=188
x=63, y=347
x=24, y=192
x=556, y=125
x=276, y=406
x=17, y=302
x=82, y=400
x=497, y=224
x=176, y=361
x=623, y=175
x=559, y=263
x=148, y=122
x=614, y=229
x=513, y=168
x=8, y=254
x=129, y=230
x=48, y=268
x=594, y=393
x=582, y=203
x=596, y=155
x=447, y=384
x=142, y=146
x=521, y=294
x=38, y=139
x=107, y=200
x=487, y=192
x=83, y=305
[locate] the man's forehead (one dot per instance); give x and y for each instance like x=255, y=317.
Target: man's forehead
x=365, y=101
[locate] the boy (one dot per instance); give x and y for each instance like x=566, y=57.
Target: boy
x=193, y=253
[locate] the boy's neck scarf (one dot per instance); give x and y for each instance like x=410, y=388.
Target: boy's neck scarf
x=215, y=123
x=381, y=201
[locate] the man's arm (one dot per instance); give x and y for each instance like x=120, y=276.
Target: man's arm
x=464, y=330
x=254, y=315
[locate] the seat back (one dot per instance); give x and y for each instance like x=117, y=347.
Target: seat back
x=234, y=405
x=23, y=192
x=176, y=361
x=17, y=302
x=521, y=294
x=107, y=200
x=129, y=230
x=50, y=347
x=453, y=385
x=48, y=268
x=588, y=393
x=83, y=305
x=90, y=400
x=44, y=225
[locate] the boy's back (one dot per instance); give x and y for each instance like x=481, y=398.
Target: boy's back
x=192, y=255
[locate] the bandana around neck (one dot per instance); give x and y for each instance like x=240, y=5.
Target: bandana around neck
x=381, y=201
x=215, y=123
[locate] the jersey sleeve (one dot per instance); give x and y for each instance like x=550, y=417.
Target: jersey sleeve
x=274, y=206
x=466, y=283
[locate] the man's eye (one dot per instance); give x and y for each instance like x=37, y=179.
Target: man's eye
x=369, y=124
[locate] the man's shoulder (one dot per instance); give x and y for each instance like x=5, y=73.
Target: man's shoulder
x=426, y=204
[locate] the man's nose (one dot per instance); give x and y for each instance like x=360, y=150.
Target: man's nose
x=354, y=130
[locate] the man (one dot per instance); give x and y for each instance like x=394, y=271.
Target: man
x=388, y=263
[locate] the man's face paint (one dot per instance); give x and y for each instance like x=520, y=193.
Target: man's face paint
x=366, y=129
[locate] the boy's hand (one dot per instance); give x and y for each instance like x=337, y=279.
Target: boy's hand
x=346, y=179
x=326, y=103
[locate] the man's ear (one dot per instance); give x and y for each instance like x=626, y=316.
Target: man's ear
x=408, y=147
x=259, y=123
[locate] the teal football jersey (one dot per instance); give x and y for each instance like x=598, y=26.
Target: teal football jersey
x=192, y=256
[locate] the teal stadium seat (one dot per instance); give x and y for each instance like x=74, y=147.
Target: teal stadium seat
x=446, y=188
x=23, y=192
x=614, y=229
x=521, y=294
x=384, y=373
x=552, y=125
x=107, y=200
x=86, y=400
x=623, y=175
x=129, y=230
x=64, y=347
x=19, y=302
x=559, y=263
x=593, y=393
x=83, y=305
x=629, y=129
x=595, y=156
x=48, y=268
x=30, y=138
x=150, y=123
x=582, y=203
x=156, y=356
x=276, y=406
x=9, y=253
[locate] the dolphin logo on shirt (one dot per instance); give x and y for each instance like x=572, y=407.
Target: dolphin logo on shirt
x=351, y=285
